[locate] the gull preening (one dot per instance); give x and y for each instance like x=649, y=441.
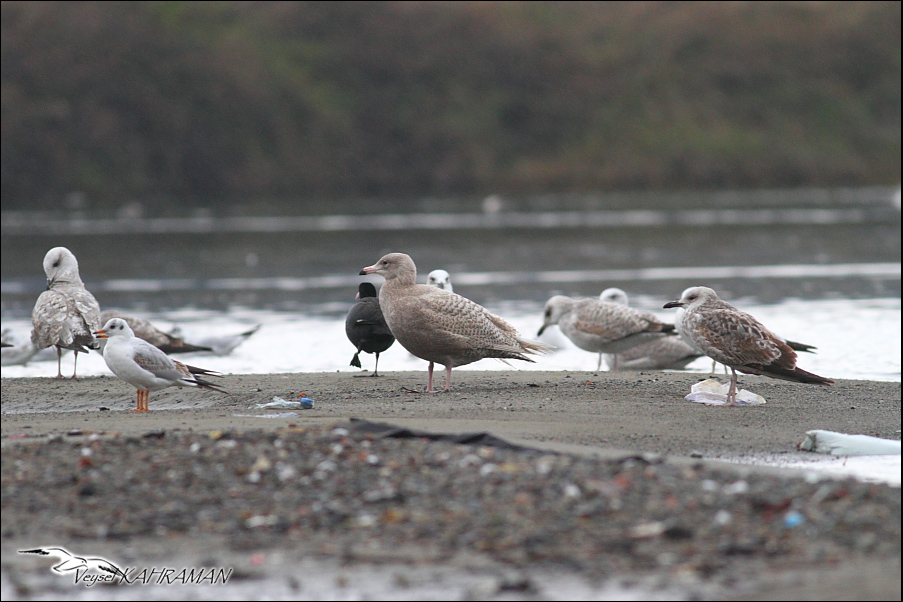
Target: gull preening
x=441, y=279
x=664, y=353
x=601, y=327
x=145, y=367
x=442, y=327
x=737, y=340
x=65, y=314
x=366, y=327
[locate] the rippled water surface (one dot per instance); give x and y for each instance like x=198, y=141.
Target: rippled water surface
x=820, y=267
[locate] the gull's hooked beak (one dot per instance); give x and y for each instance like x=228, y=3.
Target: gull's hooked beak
x=670, y=304
x=368, y=270
x=101, y=334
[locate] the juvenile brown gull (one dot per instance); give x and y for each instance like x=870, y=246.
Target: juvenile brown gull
x=66, y=313
x=443, y=327
x=679, y=325
x=737, y=340
x=145, y=367
x=601, y=327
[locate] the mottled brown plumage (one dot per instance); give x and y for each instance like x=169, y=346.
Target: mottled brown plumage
x=442, y=327
x=737, y=340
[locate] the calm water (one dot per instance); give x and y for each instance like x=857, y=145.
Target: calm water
x=821, y=267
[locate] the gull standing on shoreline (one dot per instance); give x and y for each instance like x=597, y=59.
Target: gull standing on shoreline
x=737, y=340
x=366, y=327
x=443, y=327
x=600, y=327
x=66, y=313
x=145, y=367
x=664, y=353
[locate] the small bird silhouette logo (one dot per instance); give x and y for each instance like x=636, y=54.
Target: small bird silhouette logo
x=70, y=562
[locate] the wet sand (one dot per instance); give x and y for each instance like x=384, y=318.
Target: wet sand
x=615, y=427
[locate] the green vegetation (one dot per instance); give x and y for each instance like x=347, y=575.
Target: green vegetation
x=220, y=102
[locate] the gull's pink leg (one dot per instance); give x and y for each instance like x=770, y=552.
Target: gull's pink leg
x=732, y=392
x=59, y=362
x=75, y=364
x=447, y=377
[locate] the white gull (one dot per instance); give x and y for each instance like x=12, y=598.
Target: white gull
x=441, y=279
x=145, y=367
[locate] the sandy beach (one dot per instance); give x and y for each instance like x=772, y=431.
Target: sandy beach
x=611, y=479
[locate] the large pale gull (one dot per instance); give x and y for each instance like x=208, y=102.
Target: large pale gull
x=737, y=340
x=443, y=327
x=66, y=313
x=145, y=367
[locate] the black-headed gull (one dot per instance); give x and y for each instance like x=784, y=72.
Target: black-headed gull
x=601, y=327
x=366, y=327
x=145, y=367
x=737, y=340
x=66, y=313
x=442, y=327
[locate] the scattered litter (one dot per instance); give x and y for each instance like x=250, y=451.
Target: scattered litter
x=841, y=444
x=793, y=519
x=279, y=403
x=712, y=392
x=273, y=415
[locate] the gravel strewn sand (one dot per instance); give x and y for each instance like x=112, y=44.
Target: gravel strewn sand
x=623, y=485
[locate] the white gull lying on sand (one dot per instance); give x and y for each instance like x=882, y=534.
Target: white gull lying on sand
x=167, y=343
